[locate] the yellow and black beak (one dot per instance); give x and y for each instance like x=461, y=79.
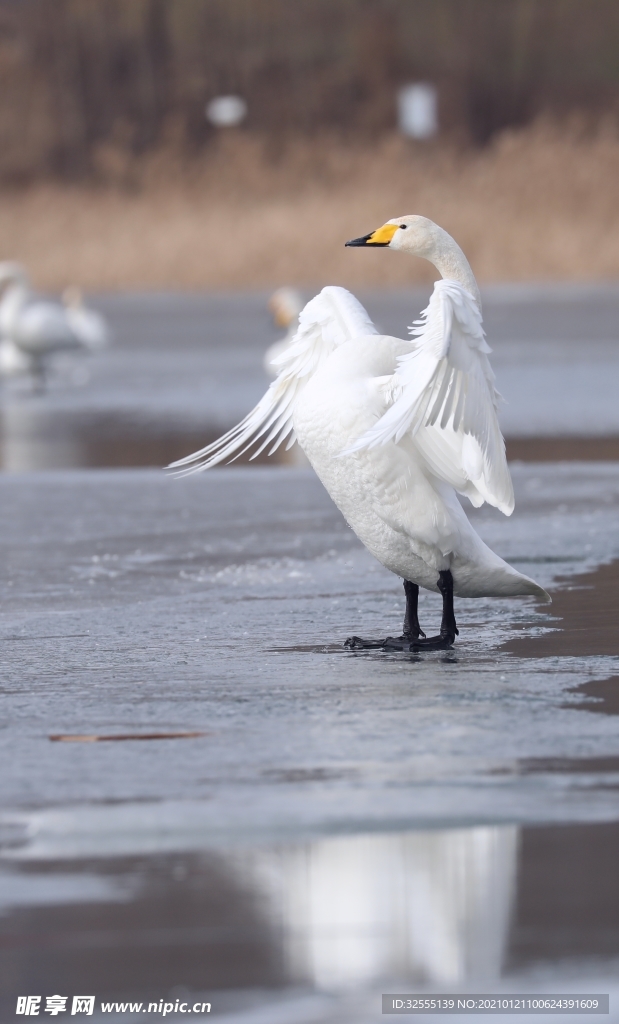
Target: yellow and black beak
x=380, y=237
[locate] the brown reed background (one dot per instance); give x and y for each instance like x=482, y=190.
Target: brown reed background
x=76, y=74
x=111, y=176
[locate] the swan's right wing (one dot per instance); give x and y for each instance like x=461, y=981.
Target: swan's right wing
x=443, y=398
x=333, y=317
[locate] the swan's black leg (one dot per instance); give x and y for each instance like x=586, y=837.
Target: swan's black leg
x=411, y=627
x=449, y=630
x=411, y=630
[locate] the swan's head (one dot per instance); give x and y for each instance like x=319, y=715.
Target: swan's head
x=422, y=237
x=416, y=235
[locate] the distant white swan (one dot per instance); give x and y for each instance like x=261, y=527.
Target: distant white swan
x=285, y=305
x=88, y=326
x=394, y=428
x=33, y=329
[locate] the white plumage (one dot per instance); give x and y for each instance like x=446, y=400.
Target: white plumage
x=443, y=395
x=394, y=428
x=330, y=318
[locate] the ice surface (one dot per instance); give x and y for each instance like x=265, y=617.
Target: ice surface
x=220, y=603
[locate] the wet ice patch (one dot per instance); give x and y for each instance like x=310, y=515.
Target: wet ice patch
x=53, y=887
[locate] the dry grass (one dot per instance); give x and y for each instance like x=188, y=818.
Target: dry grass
x=542, y=203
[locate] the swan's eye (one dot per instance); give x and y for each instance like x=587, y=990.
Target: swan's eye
x=403, y=226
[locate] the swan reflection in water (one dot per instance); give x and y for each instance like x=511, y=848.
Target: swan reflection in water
x=425, y=906
x=337, y=918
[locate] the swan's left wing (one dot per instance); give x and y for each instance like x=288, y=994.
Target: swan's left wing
x=333, y=317
x=443, y=398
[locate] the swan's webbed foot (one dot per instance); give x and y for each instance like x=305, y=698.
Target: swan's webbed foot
x=442, y=642
x=406, y=642
x=390, y=643
x=413, y=638
x=358, y=643
x=411, y=630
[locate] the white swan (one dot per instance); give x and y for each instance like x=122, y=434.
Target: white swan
x=89, y=327
x=394, y=428
x=33, y=329
x=285, y=305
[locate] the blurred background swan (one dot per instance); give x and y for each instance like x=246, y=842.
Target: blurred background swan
x=285, y=305
x=33, y=329
x=88, y=326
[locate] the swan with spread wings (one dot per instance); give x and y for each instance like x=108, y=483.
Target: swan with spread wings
x=395, y=430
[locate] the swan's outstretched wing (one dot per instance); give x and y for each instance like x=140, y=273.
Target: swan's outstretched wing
x=443, y=397
x=328, y=320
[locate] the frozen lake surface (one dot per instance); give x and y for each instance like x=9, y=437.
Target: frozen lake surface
x=348, y=823
x=221, y=603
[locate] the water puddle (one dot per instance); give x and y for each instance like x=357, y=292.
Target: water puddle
x=99, y=445
x=34, y=436
x=584, y=617
x=567, y=901
x=441, y=907
x=562, y=449
x=602, y=696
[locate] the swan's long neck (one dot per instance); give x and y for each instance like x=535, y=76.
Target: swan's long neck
x=450, y=261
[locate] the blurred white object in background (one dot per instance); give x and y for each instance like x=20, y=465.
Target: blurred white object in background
x=89, y=326
x=285, y=305
x=418, y=110
x=13, y=362
x=226, y=111
x=34, y=329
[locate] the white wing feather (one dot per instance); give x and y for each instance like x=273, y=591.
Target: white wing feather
x=443, y=397
x=328, y=320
